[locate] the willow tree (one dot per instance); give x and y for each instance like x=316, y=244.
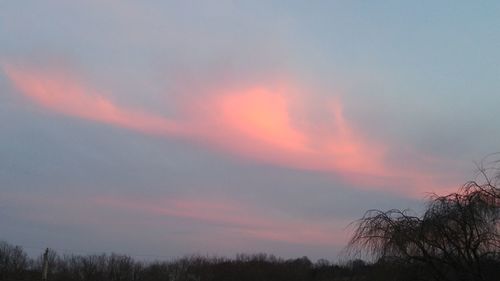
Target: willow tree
x=456, y=238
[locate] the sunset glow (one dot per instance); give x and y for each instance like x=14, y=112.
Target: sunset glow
x=224, y=127
x=254, y=123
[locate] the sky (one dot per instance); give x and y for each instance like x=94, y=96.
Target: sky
x=169, y=128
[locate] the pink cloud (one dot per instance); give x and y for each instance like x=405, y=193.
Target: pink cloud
x=258, y=123
x=60, y=93
x=255, y=122
x=235, y=218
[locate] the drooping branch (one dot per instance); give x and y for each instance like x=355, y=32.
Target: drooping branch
x=456, y=234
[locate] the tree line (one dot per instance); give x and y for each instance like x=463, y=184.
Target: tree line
x=16, y=265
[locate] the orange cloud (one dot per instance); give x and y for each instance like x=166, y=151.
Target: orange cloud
x=60, y=93
x=262, y=116
x=257, y=122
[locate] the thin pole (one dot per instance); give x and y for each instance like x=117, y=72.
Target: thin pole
x=45, y=264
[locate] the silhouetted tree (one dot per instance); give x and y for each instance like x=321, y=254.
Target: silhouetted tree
x=457, y=238
x=14, y=262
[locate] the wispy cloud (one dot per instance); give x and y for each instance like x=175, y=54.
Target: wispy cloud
x=61, y=93
x=234, y=217
x=258, y=122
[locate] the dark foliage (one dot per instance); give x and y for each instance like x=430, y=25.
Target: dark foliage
x=16, y=266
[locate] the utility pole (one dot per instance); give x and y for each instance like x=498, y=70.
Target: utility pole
x=45, y=268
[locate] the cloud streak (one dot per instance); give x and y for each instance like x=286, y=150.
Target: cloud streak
x=234, y=217
x=258, y=122
x=60, y=93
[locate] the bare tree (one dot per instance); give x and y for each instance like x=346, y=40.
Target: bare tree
x=13, y=261
x=454, y=239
